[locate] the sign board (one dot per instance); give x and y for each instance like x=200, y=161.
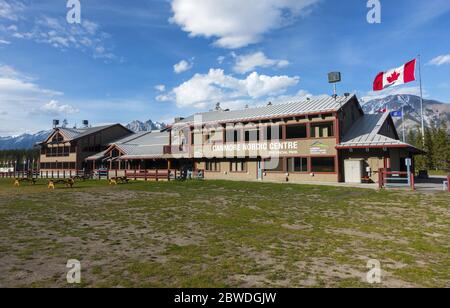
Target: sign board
x=334, y=77
x=318, y=148
x=408, y=162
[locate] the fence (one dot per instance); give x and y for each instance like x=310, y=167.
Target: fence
x=65, y=174
x=395, y=179
x=155, y=175
x=163, y=174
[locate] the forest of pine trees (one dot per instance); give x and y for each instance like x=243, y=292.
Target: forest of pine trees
x=437, y=147
x=9, y=158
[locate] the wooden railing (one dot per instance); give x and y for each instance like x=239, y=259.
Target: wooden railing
x=43, y=174
x=155, y=175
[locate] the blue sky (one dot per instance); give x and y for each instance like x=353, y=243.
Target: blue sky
x=156, y=60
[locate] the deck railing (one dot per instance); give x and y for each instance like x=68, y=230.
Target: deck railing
x=154, y=174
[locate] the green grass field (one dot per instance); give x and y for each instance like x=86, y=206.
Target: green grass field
x=221, y=234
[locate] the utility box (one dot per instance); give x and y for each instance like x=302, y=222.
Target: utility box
x=353, y=171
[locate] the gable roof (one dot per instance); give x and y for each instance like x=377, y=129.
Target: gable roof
x=322, y=104
x=366, y=133
x=71, y=134
x=139, y=146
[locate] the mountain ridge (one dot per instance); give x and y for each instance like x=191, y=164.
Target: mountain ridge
x=27, y=141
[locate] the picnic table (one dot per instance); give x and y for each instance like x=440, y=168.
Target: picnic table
x=66, y=182
x=118, y=180
x=22, y=180
x=81, y=177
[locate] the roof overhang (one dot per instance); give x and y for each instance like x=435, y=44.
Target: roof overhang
x=409, y=147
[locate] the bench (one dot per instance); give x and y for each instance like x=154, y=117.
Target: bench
x=66, y=182
x=22, y=180
x=118, y=180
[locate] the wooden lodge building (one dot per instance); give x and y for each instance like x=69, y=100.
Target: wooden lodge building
x=324, y=139
x=66, y=149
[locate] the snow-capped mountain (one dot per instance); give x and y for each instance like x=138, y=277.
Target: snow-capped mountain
x=27, y=141
x=434, y=111
x=138, y=126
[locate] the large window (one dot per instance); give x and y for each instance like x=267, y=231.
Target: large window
x=323, y=164
x=274, y=165
x=233, y=136
x=212, y=166
x=322, y=130
x=274, y=132
x=252, y=135
x=238, y=166
x=297, y=164
x=296, y=131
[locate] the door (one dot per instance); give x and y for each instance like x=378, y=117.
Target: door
x=353, y=171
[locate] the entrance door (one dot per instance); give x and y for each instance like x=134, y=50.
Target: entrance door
x=353, y=171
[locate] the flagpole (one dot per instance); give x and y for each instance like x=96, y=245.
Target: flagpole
x=421, y=100
x=403, y=123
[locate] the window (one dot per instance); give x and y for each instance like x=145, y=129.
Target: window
x=274, y=132
x=212, y=166
x=233, y=136
x=323, y=164
x=322, y=130
x=237, y=136
x=57, y=139
x=238, y=166
x=274, y=165
x=297, y=164
x=296, y=131
x=251, y=135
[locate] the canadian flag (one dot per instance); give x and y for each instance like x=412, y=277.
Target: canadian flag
x=396, y=77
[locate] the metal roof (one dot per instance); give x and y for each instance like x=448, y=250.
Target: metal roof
x=308, y=106
x=366, y=132
x=77, y=133
x=141, y=145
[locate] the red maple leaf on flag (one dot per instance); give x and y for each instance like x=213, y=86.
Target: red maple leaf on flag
x=394, y=77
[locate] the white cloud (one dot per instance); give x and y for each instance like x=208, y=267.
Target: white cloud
x=19, y=95
x=160, y=88
x=54, y=108
x=440, y=60
x=236, y=23
x=220, y=59
x=164, y=98
x=10, y=9
x=248, y=62
x=182, y=66
x=4, y=42
x=204, y=90
x=56, y=32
